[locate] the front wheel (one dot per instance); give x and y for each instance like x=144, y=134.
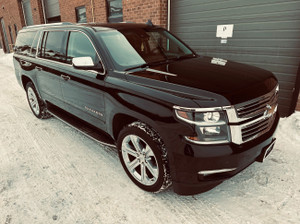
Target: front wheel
x=36, y=104
x=144, y=157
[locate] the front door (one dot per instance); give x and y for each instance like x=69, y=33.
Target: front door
x=82, y=91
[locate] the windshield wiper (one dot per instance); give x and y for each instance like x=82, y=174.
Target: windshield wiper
x=182, y=57
x=145, y=65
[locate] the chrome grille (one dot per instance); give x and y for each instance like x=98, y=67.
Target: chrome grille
x=257, y=129
x=257, y=107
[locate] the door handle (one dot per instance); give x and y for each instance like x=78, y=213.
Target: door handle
x=65, y=77
x=38, y=68
x=25, y=63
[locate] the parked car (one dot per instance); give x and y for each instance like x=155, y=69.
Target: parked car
x=176, y=117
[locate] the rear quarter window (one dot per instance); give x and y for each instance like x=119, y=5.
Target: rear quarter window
x=24, y=42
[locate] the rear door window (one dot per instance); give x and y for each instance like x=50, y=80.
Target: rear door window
x=24, y=42
x=79, y=45
x=53, y=46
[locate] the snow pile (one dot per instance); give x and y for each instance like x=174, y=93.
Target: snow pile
x=289, y=129
x=6, y=59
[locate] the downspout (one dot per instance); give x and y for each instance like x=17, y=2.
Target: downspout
x=169, y=14
x=23, y=13
x=44, y=14
x=92, y=6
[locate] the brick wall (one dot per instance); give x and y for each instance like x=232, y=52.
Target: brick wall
x=140, y=11
x=37, y=12
x=68, y=13
x=11, y=12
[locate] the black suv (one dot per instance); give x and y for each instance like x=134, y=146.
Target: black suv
x=175, y=117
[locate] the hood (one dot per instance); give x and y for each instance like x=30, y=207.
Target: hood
x=235, y=81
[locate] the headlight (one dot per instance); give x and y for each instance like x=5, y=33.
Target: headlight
x=210, y=125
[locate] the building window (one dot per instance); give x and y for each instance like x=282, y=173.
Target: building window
x=80, y=14
x=51, y=10
x=16, y=29
x=11, y=35
x=115, y=11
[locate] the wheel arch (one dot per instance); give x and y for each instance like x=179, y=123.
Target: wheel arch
x=119, y=122
x=25, y=79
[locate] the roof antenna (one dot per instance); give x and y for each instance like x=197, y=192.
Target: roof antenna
x=149, y=22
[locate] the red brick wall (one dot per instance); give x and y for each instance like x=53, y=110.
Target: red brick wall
x=140, y=11
x=37, y=12
x=11, y=12
x=68, y=13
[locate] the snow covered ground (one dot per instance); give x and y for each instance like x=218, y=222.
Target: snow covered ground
x=50, y=173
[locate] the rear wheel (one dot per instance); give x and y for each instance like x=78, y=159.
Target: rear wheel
x=36, y=104
x=144, y=157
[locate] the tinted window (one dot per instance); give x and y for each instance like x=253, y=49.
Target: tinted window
x=54, y=46
x=131, y=47
x=80, y=14
x=115, y=11
x=24, y=42
x=80, y=46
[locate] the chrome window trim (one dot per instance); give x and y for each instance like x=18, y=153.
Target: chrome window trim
x=71, y=30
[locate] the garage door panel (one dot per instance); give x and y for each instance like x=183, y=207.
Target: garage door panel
x=283, y=52
x=259, y=25
x=242, y=42
x=236, y=8
x=253, y=34
x=266, y=59
x=217, y=4
x=266, y=34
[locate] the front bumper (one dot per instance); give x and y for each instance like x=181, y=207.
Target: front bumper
x=191, y=163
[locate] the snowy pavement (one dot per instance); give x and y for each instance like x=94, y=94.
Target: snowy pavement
x=50, y=173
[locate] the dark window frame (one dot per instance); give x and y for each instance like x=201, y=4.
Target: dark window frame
x=77, y=13
x=10, y=34
x=110, y=18
x=16, y=29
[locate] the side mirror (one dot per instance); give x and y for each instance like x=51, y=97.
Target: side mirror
x=83, y=63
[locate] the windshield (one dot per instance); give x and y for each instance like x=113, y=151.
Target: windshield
x=134, y=47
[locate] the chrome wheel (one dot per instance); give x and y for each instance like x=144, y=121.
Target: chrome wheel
x=33, y=101
x=140, y=160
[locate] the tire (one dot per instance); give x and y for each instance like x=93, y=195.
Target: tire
x=144, y=157
x=37, y=106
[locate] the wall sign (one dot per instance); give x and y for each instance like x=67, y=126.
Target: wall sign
x=224, y=31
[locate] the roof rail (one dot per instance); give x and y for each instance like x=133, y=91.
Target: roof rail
x=49, y=24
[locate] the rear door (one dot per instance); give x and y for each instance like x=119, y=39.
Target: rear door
x=51, y=65
x=83, y=90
